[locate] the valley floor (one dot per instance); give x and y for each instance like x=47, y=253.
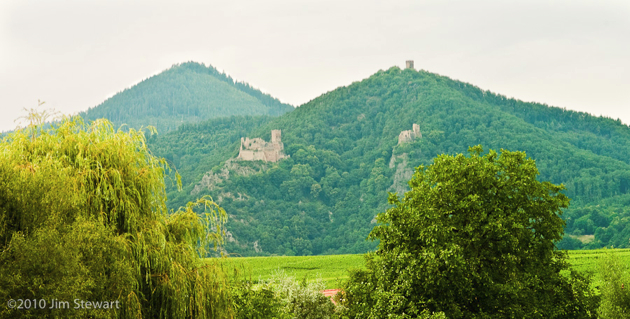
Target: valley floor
x=332, y=269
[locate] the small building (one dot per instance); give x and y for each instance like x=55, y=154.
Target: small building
x=409, y=64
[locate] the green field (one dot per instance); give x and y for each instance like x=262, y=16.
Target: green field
x=333, y=268
x=587, y=260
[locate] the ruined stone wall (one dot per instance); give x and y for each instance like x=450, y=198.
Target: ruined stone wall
x=257, y=149
x=404, y=136
x=409, y=135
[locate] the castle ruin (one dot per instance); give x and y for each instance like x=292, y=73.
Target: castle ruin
x=257, y=149
x=408, y=136
x=409, y=64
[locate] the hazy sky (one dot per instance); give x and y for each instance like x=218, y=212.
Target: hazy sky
x=75, y=54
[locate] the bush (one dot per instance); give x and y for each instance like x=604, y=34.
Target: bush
x=281, y=297
x=256, y=303
x=301, y=300
x=615, y=288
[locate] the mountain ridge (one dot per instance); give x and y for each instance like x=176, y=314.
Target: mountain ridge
x=186, y=92
x=324, y=197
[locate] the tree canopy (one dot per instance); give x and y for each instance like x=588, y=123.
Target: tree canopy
x=83, y=216
x=473, y=238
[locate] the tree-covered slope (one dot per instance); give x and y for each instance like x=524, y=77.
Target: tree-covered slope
x=187, y=92
x=345, y=157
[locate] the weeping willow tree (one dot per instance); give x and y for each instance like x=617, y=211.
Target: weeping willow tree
x=83, y=218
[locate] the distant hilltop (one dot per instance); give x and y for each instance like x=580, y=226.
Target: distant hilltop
x=185, y=93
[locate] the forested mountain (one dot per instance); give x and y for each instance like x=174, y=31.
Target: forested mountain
x=345, y=157
x=187, y=92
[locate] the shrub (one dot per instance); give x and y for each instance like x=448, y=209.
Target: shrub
x=615, y=288
x=256, y=302
x=301, y=300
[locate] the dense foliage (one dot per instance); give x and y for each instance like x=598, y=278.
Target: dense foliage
x=474, y=238
x=83, y=216
x=615, y=290
x=301, y=299
x=282, y=297
x=187, y=92
x=345, y=158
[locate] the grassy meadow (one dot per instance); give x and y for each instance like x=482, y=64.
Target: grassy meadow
x=587, y=261
x=332, y=269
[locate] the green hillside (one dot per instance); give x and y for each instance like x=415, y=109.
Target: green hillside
x=345, y=157
x=188, y=92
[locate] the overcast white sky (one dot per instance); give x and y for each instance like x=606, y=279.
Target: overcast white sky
x=75, y=54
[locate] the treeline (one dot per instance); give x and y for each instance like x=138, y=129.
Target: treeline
x=323, y=199
x=187, y=92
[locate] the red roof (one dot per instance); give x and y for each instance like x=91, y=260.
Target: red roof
x=330, y=293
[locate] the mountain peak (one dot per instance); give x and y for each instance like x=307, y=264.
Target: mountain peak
x=186, y=92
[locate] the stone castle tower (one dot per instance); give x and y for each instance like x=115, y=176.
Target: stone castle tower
x=408, y=136
x=409, y=64
x=257, y=149
x=276, y=136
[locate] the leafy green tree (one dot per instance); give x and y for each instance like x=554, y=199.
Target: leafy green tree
x=83, y=216
x=474, y=238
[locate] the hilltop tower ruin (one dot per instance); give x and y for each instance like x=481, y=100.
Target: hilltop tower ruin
x=408, y=136
x=276, y=136
x=409, y=64
x=256, y=149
